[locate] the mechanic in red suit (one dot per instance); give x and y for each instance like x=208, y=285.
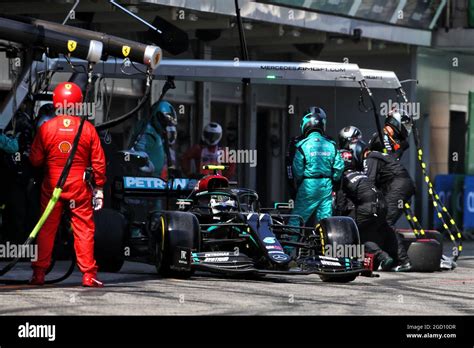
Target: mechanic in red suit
x=50, y=149
x=205, y=153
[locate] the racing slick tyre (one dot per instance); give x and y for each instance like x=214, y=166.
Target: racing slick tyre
x=339, y=230
x=110, y=231
x=424, y=252
x=172, y=232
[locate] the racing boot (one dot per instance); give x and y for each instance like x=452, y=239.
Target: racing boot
x=90, y=280
x=38, y=276
x=405, y=267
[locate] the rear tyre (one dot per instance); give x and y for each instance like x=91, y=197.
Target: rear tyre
x=339, y=230
x=169, y=231
x=110, y=229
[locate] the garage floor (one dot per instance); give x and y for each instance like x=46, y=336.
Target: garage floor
x=137, y=290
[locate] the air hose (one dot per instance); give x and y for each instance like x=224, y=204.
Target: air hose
x=441, y=210
x=365, y=86
x=116, y=121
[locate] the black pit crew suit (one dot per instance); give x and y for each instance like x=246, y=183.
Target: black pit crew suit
x=360, y=199
x=389, y=175
x=392, y=179
x=396, y=147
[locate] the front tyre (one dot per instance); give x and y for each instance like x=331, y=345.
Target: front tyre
x=169, y=232
x=339, y=230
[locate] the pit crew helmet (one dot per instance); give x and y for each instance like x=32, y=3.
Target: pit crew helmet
x=212, y=134
x=222, y=204
x=400, y=122
x=359, y=149
x=349, y=135
x=163, y=115
x=66, y=94
x=314, y=120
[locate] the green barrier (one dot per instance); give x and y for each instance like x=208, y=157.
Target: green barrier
x=470, y=13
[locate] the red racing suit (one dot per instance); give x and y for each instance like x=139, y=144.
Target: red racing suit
x=51, y=148
x=200, y=155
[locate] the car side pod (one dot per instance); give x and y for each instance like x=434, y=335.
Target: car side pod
x=425, y=253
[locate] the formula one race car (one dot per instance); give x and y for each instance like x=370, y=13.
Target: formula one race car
x=223, y=230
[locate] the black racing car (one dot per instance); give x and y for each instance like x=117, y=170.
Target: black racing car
x=215, y=228
x=223, y=230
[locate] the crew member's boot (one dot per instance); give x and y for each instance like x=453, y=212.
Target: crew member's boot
x=38, y=276
x=90, y=280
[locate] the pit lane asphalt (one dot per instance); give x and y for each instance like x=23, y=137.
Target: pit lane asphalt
x=137, y=290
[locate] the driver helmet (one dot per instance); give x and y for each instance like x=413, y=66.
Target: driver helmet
x=164, y=114
x=222, y=204
x=349, y=135
x=212, y=134
x=400, y=122
x=313, y=120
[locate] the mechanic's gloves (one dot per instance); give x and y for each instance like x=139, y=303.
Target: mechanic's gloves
x=98, y=198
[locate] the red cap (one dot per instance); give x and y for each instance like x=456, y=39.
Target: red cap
x=66, y=93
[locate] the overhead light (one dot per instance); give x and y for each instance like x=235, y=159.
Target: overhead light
x=248, y=26
x=340, y=41
x=193, y=17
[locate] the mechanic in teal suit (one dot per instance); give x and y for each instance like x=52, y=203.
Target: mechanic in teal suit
x=152, y=139
x=316, y=165
x=8, y=144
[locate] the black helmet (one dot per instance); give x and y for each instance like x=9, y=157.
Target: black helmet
x=348, y=159
x=313, y=120
x=400, y=122
x=348, y=135
x=375, y=144
x=358, y=149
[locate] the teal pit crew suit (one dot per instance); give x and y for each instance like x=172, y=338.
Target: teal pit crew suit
x=153, y=143
x=316, y=165
x=8, y=144
x=152, y=139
